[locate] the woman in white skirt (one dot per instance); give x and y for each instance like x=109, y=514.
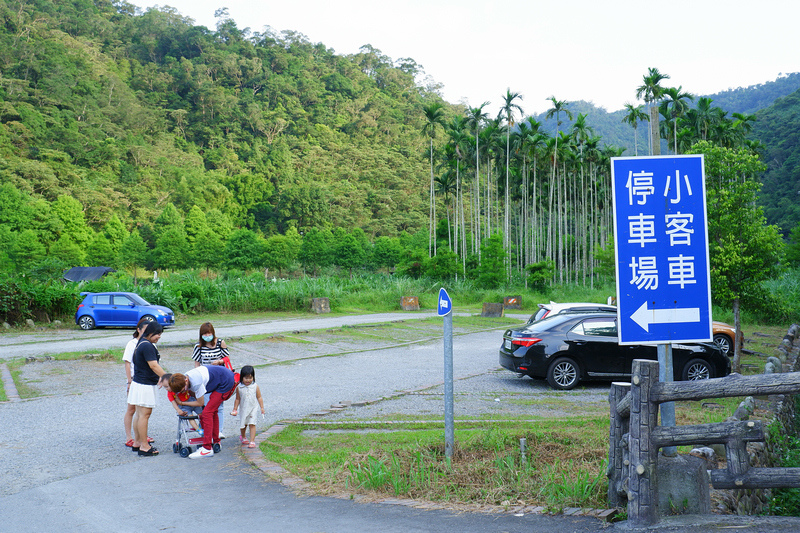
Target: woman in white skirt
x=142, y=394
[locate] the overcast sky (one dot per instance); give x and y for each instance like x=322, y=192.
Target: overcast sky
x=594, y=50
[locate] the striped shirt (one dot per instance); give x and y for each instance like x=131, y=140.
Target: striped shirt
x=206, y=355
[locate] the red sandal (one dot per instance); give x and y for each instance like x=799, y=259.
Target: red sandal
x=129, y=444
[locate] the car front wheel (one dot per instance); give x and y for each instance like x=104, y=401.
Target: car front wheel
x=563, y=374
x=697, y=369
x=86, y=322
x=724, y=343
x=149, y=318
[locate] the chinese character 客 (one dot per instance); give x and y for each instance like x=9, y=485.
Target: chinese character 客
x=677, y=230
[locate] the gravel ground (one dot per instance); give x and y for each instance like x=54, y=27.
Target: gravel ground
x=75, y=427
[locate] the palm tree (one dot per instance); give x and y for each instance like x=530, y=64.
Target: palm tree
x=677, y=106
x=651, y=90
x=434, y=114
x=635, y=114
x=559, y=106
x=508, y=108
x=475, y=118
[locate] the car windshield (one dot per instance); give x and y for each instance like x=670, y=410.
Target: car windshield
x=546, y=323
x=138, y=299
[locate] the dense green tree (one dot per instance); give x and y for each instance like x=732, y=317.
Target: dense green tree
x=208, y=250
x=743, y=249
x=133, y=253
x=491, y=273
x=434, y=116
x=244, y=250
x=172, y=249
x=279, y=253
x=316, y=251
x=387, y=252
x=70, y=212
x=67, y=251
x=27, y=250
x=195, y=224
x=116, y=233
x=100, y=252
x=348, y=252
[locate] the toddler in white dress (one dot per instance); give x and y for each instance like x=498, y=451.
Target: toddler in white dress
x=248, y=400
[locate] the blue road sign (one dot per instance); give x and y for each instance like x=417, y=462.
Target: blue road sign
x=661, y=244
x=445, y=303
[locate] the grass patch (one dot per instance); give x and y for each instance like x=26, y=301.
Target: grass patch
x=25, y=387
x=564, y=465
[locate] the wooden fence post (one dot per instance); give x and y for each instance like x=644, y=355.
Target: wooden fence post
x=618, y=445
x=643, y=469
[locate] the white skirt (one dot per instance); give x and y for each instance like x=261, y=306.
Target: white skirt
x=142, y=395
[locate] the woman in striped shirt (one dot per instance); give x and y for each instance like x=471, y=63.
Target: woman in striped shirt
x=209, y=351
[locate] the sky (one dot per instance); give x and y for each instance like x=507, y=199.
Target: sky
x=593, y=50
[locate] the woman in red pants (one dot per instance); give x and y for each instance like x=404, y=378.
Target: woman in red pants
x=219, y=382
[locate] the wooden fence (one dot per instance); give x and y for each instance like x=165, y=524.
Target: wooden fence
x=635, y=437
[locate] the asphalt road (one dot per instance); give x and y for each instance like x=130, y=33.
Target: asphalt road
x=64, y=468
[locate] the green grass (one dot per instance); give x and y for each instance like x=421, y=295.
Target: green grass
x=564, y=465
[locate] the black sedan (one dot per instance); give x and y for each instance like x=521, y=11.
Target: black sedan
x=570, y=348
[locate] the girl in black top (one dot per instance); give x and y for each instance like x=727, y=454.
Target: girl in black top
x=142, y=394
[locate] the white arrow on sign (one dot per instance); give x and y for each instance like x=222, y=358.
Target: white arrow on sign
x=644, y=316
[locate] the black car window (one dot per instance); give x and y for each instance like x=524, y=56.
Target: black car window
x=121, y=300
x=598, y=327
x=102, y=299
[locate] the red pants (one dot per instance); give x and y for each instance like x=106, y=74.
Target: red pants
x=209, y=418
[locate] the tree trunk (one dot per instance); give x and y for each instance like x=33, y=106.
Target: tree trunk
x=737, y=345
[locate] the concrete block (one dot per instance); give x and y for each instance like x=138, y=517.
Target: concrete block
x=492, y=310
x=683, y=485
x=409, y=303
x=320, y=305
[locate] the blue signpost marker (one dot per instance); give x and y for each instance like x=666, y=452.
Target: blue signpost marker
x=445, y=309
x=661, y=238
x=661, y=244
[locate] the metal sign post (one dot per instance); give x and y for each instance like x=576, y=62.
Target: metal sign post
x=444, y=309
x=662, y=264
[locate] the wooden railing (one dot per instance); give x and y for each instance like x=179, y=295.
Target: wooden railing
x=635, y=437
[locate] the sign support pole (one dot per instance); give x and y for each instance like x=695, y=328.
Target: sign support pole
x=665, y=373
x=449, y=433
x=445, y=310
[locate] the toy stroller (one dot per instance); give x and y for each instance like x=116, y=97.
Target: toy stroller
x=188, y=437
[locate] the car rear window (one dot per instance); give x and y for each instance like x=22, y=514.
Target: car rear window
x=102, y=299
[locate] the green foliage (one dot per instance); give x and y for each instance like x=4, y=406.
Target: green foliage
x=743, y=249
x=540, y=274
x=491, y=273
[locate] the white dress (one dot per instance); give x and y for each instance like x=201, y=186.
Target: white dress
x=248, y=405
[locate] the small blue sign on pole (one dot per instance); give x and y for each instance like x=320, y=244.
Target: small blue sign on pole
x=445, y=303
x=661, y=244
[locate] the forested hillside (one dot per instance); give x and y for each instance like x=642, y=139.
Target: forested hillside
x=778, y=130
x=129, y=113
x=132, y=139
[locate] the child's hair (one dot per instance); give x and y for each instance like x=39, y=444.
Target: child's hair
x=142, y=321
x=177, y=382
x=247, y=370
x=165, y=378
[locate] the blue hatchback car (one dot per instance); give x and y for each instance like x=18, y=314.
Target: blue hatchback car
x=122, y=309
